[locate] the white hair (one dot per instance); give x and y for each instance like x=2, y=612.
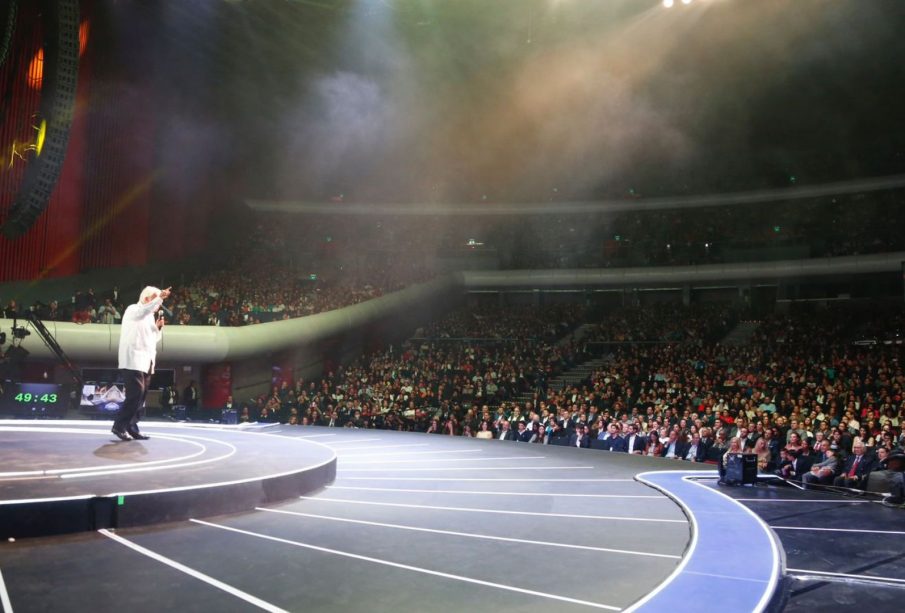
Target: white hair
x=147, y=292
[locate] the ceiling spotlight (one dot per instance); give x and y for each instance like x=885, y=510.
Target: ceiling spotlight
x=668, y=3
x=686, y=1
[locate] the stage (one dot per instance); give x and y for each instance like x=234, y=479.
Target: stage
x=410, y=522
x=70, y=476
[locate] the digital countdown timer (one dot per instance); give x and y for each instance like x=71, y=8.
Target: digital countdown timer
x=27, y=397
x=33, y=399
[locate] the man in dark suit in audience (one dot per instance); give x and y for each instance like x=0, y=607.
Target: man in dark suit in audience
x=674, y=447
x=581, y=437
x=855, y=468
x=797, y=465
x=190, y=396
x=505, y=433
x=820, y=450
x=524, y=435
x=695, y=452
x=635, y=443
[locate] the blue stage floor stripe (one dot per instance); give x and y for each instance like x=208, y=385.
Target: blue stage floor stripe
x=733, y=556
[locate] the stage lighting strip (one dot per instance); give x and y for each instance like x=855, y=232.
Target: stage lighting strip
x=707, y=553
x=61, y=471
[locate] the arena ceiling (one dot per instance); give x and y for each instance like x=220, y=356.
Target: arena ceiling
x=414, y=101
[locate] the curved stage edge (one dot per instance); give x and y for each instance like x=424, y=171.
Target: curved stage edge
x=743, y=584
x=126, y=485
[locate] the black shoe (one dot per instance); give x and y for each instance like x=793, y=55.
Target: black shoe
x=138, y=436
x=120, y=434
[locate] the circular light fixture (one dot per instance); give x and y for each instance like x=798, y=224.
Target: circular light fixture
x=668, y=3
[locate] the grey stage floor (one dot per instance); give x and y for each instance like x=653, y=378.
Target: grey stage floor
x=413, y=522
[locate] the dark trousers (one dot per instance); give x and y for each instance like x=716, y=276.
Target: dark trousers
x=133, y=408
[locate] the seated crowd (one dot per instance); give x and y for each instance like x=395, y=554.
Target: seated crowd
x=799, y=393
x=407, y=388
x=240, y=294
x=297, y=268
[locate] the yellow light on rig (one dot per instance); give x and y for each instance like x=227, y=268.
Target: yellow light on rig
x=39, y=139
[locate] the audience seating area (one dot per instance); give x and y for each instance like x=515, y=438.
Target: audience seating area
x=807, y=385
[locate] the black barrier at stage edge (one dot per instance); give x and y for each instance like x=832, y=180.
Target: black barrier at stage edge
x=51, y=517
x=54, y=517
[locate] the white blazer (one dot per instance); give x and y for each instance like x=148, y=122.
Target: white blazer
x=139, y=336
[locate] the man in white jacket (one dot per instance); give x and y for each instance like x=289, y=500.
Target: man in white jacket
x=141, y=331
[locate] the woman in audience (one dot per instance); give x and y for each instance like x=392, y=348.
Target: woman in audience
x=764, y=457
x=451, y=426
x=795, y=442
x=484, y=431
x=864, y=438
x=654, y=447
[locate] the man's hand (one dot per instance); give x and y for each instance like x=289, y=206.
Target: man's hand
x=161, y=322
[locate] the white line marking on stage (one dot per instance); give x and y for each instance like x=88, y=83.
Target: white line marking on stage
x=60, y=471
x=314, y=436
x=717, y=576
x=194, y=573
x=837, y=530
x=823, y=573
x=4, y=596
x=44, y=429
x=389, y=489
x=378, y=456
x=471, y=535
x=181, y=439
x=357, y=440
x=459, y=468
x=118, y=471
x=795, y=500
x=497, y=511
x=380, y=447
x=416, y=569
x=33, y=478
x=479, y=479
x=55, y=499
x=482, y=459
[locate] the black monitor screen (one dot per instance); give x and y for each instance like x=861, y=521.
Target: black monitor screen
x=162, y=377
